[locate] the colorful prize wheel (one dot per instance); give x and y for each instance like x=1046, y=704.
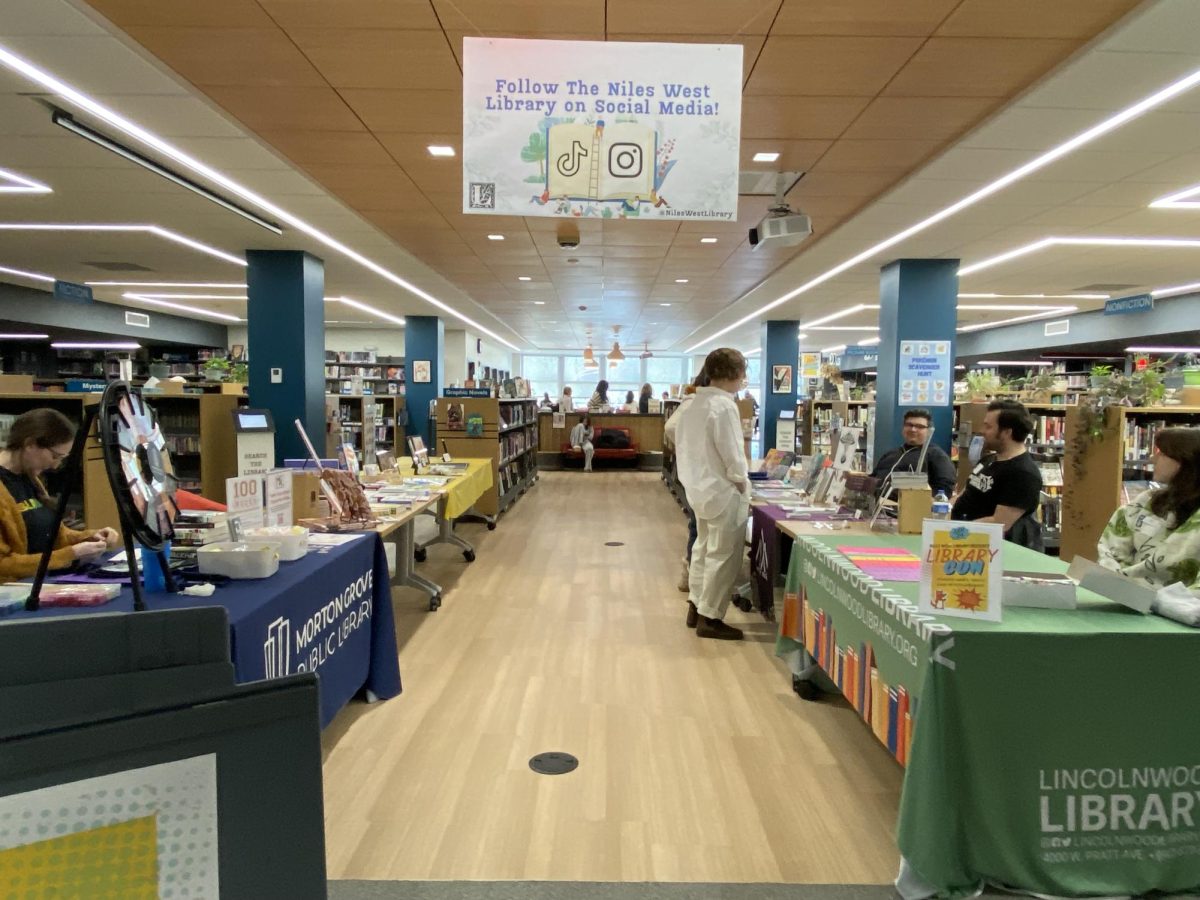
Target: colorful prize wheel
x=139, y=465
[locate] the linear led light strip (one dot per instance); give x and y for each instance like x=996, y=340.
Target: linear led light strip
x=1047, y=312
x=1185, y=199
x=183, y=307
x=164, y=233
x=1046, y=243
x=48, y=81
x=21, y=185
x=21, y=273
x=214, y=285
x=1039, y=162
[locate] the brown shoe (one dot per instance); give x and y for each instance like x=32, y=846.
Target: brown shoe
x=693, y=615
x=717, y=630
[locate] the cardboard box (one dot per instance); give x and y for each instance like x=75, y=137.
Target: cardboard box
x=916, y=504
x=306, y=492
x=233, y=387
x=16, y=384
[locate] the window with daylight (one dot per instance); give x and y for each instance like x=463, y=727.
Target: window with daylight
x=664, y=371
x=542, y=373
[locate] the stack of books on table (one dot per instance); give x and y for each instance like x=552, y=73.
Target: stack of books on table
x=194, y=529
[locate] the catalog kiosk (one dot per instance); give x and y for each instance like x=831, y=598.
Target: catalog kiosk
x=255, y=430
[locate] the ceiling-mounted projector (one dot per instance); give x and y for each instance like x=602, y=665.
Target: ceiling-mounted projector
x=782, y=228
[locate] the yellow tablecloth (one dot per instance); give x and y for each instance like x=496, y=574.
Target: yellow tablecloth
x=463, y=490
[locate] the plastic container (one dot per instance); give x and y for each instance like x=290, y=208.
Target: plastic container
x=238, y=559
x=291, y=539
x=152, y=574
x=940, y=509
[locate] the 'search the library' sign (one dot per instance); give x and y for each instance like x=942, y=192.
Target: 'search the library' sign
x=601, y=129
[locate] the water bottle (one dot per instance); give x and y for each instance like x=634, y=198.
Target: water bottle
x=941, y=506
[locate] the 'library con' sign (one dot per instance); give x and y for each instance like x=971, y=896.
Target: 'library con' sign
x=1135, y=304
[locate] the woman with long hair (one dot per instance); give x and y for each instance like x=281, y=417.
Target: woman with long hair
x=38, y=442
x=645, y=397
x=599, y=402
x=1155, y=539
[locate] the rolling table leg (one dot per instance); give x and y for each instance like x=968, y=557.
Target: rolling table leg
x=446, y=534
x=404, y=567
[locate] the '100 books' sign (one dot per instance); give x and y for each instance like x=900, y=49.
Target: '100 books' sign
x=601, y=129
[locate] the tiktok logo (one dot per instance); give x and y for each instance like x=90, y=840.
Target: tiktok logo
x=568, y=163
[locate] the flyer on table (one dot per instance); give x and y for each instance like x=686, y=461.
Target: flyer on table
x=962, y=569
x=601, y=129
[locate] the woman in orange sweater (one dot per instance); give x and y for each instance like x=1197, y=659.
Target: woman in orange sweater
x=39, y=440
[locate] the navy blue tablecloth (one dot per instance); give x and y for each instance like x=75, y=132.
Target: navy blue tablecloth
x=329, y=613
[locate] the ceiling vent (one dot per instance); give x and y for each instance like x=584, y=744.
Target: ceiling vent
x=117, y=267
x=1103, y=288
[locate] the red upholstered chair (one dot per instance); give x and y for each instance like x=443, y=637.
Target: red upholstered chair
x=188, y=500
x=629, y=454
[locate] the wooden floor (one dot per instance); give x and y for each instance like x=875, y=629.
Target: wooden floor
x=697, y=762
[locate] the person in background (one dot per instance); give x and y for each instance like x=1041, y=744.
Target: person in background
x=581, y=439
x=38, y=441
x=669, y=428
x=644, y=399
x=629, y=399
x=546, y=402
x=566, y=403
x=666, y=396
x=1155, y=539
x=939, y=468
x=712, y=467
x=1007, y=487
x=599, y=401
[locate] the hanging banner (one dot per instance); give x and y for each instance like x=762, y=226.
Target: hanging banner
x=601, y=129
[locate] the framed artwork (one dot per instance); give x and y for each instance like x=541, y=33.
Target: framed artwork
x=781, y=379
x=237, y=352
x=421, y=369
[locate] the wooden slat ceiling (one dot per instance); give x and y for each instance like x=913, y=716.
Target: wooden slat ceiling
x=857, y=93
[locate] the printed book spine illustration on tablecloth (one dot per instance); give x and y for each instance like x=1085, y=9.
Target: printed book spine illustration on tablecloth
x=889, y=710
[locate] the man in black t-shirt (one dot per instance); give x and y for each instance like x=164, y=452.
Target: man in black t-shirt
x=1006, y=487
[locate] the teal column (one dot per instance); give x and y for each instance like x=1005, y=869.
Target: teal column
x=918, y=310
x=286, y=332
x=780, y=347
x=424, y=341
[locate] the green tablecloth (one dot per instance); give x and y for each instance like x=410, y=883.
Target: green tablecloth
x=1057, y=751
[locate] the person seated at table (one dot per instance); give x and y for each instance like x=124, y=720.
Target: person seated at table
x=904, y=458
x=1155, y=539
x=566, y=403
x=581, y=439
x=546, y=402
x=1007, y=486
x=644, y=399
x=599, y=400
x=38, y=441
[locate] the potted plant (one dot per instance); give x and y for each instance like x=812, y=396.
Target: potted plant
x=216, y=369
x=159, y=369
x=240, y=373
x=1098, y=376
x=1041, y=385
x=980, y=385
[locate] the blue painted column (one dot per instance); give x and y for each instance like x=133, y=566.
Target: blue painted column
x=425, y=341
x=918, y=301
x=780, y=347
x=286, y=330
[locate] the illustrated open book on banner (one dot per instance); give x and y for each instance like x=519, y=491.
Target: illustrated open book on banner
x=601, y=162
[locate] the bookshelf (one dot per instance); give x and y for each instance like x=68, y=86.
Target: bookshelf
x=368, y=422
x=818, y=419
x=504, y=431
x=362, y=372
x=1097, y=473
